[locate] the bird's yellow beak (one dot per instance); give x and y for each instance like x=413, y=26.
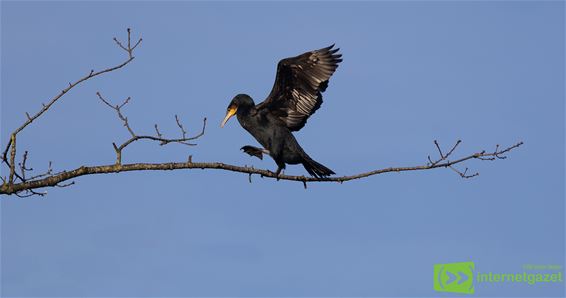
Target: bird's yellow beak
x=231, y=112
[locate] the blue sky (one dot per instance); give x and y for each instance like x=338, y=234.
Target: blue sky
x=485, y=72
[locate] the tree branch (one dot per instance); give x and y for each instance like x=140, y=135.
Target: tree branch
x=118, y=168
x=11, y=146
x=134, y=137
x=23, y=185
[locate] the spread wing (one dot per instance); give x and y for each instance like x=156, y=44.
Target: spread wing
x=298, y=87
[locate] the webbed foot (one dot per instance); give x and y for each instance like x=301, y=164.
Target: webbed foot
x=254, y=151
x=278, y=172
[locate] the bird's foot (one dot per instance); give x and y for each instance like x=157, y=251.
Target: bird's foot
x=278, y=172
x=254, y=151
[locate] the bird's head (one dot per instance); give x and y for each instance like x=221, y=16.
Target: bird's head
x=240, y=102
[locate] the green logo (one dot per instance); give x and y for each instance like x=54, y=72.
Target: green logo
x=454, y=277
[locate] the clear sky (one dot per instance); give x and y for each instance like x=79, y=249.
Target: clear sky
x=485, y=72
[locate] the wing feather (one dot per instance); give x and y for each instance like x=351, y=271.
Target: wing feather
x=298, y=87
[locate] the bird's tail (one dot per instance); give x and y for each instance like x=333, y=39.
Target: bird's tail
x=315, y=169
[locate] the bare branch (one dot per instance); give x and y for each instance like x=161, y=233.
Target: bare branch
x=439, y=150
x=66, y=184
x=183, y=131
x=27, y=195
x=12, y=163
x=463, y=174
x=442, y=156
x=118, y=168
x=46, y=173
x=453, y=148
x=21, y=185
x=23, y=167
x=118, y=109
x=11, y=146
x=128, y=48
x=159, y=135
x=134, y=137
x=480, y=155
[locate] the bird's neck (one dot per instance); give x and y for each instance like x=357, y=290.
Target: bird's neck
x=244, y=110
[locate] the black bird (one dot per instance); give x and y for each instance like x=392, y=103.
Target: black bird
x=296, y=95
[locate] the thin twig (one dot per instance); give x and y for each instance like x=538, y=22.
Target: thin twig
x=118, y=109
x=48, y=172
x=158, y=133
x=134, y=137
x=183, y=131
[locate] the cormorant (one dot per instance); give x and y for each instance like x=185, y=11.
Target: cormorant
x=296, y=95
